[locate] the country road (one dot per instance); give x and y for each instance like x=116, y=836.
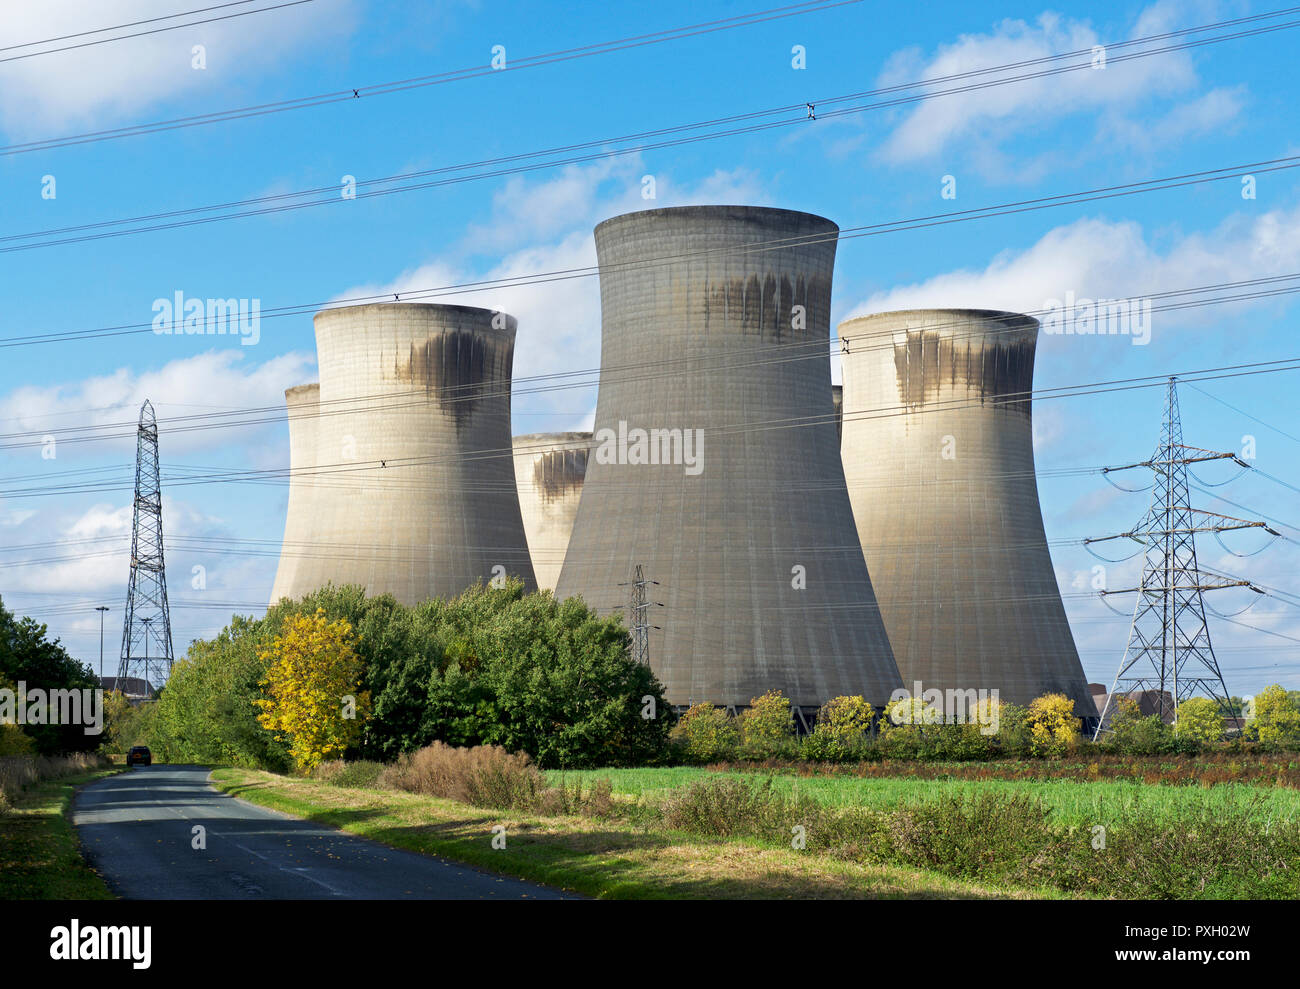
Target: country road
x=136, y=830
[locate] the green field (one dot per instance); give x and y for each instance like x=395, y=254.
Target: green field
x=1070, y=802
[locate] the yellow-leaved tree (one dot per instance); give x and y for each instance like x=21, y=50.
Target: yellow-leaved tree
x=1053, y=728
x=313, y=681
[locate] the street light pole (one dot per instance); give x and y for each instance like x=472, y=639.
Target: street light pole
x=101, y=609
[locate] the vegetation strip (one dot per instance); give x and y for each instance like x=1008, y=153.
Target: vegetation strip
x=40, y=858
x=601, y=858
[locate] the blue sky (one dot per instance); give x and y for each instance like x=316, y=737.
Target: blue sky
x=1165, y=115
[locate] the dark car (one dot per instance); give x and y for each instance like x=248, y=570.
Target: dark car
x=139, y=756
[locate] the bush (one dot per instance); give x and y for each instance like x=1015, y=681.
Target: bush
x=362, y=773
x=706, y=734
x=483, y=776
x=842, y=730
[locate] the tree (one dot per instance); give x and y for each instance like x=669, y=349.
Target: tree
x=1053, y=728
x=30, y=658
x=1199, y=720
x=706, y=734
x=1277, y=716
x=313, y=680
x=767, y=725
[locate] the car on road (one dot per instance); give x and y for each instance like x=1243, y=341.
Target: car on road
x=139, y=756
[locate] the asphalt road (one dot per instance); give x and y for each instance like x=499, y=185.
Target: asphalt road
x=136, y=830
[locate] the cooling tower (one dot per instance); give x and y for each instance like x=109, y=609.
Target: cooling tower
x=303, y=404
x=549, y=468
x=419, y=500
x=940, y=466
x=837, y=395
x=715, y=349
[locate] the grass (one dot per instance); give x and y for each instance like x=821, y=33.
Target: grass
x=1071, y=803
x=39, y=855
x=613, y=859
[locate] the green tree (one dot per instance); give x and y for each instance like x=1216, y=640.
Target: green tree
x=1200, y=720
x=1277, y=716
x=29, y=657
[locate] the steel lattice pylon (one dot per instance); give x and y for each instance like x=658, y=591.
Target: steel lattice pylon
x=1169, y=648
x=147, y=628
x=638, y=616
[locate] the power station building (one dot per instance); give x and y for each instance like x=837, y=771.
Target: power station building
x=302, y=403
x=938, y=452
x=414, y=483
x=715, y=464
x=549, y=470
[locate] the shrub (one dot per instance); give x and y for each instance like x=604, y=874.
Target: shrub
x=484, y=776
x=767, y=726
x=1053, y=728
x=706, y=734
x=842, y=730
x=19, y=772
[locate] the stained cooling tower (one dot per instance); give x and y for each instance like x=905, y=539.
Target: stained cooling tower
x=715, y=345
x=549, y=468
x=303, y=405
x=938, y=452
x=420, y=499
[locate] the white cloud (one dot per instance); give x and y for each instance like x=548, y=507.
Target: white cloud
x=213, y=379
x=1096, y=258
x=49, y=93
x=983, y=119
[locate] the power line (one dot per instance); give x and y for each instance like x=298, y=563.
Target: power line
x=118, y=27
x=477, y=171
x=401, y=85
x=141, y=34
x=849, y=233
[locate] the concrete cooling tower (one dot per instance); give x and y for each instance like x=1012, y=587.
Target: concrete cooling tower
x=941, y=471
x=714, y=344
x=416, y=491
x=303, y=405
x=549, y=468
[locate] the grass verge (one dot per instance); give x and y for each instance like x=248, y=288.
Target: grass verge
x=599, y=858
x=39, y=855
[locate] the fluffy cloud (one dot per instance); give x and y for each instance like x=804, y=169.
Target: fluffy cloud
x=983, y=119
x=44, y=95
x=1095, y=258
x=210, y=381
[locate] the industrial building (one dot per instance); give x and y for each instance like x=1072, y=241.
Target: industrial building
x=710, y=353
x=938, y=452
x=413, y=490
x=302, y=403
x=549, y=469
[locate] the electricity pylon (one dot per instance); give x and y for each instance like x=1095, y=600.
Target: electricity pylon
x=638, y=616
x=1169, y=647
x=147, y=614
